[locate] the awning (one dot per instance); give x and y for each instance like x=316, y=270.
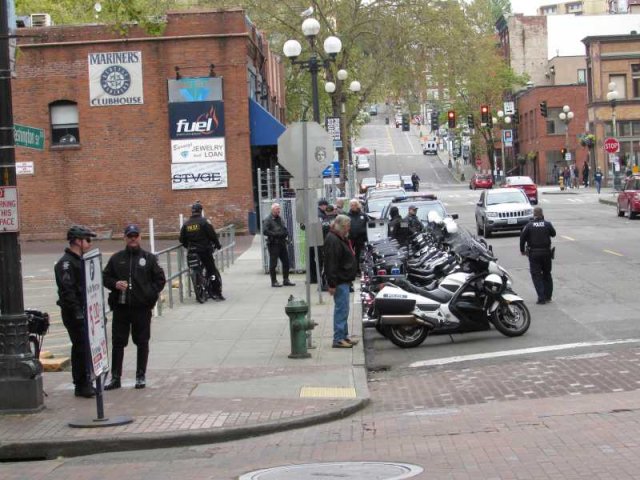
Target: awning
x=265, y=128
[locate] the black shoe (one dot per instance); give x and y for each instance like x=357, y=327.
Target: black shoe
x=219, y=297
x=141, y=382
x=541, y=302
x=287, y=283
x=114, y=384
x=85, y=391
x=276, y=284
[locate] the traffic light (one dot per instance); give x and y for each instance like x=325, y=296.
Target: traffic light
x=451, y=118
x=406, y=125
x=470, y=121
x=485, y=119
x=435, y=124
x=563, y=151
x=543, y=109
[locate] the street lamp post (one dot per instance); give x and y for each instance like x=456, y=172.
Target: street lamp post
x=566, y=115
x=292, y=49
x=505, y=121
x=612, y=97
x=354, y=87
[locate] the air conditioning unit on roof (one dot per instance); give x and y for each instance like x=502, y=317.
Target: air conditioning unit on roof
x=41, y=20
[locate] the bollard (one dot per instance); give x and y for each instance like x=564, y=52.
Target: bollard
x=298, y=325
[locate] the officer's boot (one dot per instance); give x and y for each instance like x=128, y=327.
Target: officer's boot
x=116, y=369
x=141, y=366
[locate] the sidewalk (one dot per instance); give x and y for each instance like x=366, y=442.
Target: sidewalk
x=217, y=371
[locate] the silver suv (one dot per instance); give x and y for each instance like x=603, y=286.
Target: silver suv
x=502, y=209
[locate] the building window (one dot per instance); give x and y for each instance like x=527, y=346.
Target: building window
x=582, y=76
x=621, y=85
x=635, y=79
x=64, y=123
x=555, y=126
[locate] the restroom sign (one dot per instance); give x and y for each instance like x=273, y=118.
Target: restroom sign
x=9, y=209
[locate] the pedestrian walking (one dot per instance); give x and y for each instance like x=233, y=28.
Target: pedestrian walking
x=197, y=234
x=566, y=176
x=415, y=181
x=597, y=178
x=535, y=242
x=277, y=241
x=135, y=280
x=585, y=174
x=68, y=273
x=576, y=176
x=358, y=230
x=340, y=270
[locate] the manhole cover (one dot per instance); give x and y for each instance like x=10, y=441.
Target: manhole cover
x=337, y=471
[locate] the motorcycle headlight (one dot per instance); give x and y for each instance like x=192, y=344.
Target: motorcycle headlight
x=493, y=284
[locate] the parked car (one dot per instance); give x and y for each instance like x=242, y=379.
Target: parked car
x=430, y=148
x=398, y=120
x=391, y=180
x=629, y=197
x=375, y=206
x=385, y=192
x=362, y=162
x=407, y=184
x=373, y=110
x=366, y=183
x=481, y=180
x=502, y=209
x=525, y=184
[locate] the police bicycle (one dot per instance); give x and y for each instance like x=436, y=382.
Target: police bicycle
x=203, y=286
x=38, y=326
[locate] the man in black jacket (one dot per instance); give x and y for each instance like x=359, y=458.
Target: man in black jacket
x=413, y=222
x=358, y=229
x=198, y=234
x=68, y=272
x=535, y=241
x=135, y=280
x=277, y=234
x=340, y=270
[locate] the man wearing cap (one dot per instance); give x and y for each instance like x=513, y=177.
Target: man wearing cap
x=413, y=222
x=68, y=272
x=135, y=280
x=277, y=234
x=198, y=234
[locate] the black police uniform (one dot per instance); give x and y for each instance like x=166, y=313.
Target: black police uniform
x=274, y=229
x=198, y=233
x=358, y=232
x=414, y=224
x=415, y=181
x=535, y=240
x=132, y=312
x=68, y=273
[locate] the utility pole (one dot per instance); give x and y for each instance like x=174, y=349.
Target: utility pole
x=20, y=373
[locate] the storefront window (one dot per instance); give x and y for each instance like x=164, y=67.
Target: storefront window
x=623, y=129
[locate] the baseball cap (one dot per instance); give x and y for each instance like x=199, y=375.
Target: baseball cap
x=131, y=228
x=412, y=207
x=322, y=201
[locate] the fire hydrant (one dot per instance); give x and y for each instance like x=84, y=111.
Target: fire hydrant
x=561, y=182
x=298, y=326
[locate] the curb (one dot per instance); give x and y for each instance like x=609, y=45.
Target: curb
x=608, y=202
x=47, y=450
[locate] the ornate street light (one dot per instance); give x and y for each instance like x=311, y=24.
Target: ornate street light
x=612, y=97
x=332, y=46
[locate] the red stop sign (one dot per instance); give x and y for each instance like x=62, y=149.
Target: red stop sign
x=478, y=162
x=611, y=145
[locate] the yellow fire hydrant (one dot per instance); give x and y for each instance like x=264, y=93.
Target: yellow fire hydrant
x=298, y=326
x=561, y=182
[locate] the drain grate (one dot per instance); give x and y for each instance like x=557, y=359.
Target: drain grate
x=328, y=392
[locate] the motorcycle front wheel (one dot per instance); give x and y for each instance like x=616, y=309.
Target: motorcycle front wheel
x=405, y=336
x=511, y=319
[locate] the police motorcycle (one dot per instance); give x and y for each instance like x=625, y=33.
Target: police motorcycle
x=475, y=296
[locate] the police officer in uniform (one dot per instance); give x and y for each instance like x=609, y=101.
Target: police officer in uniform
x=358, y=230
x=198, y=234
x=135, y=280
x=274, y=229
x=68, y=272
x=413, y=222
x=535, y=241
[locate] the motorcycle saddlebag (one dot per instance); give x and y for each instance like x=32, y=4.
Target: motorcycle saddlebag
x=394, y=305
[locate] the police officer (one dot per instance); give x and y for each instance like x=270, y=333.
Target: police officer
x=198, y=234
x=358, y=229
x=135, y=280
x=68, y=272
x=415, y=181
x=413, y=222
x=274, y=229
x=535, y=241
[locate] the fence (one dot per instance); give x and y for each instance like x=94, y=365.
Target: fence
x=174, y=262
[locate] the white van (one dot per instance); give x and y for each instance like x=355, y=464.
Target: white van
x=430, y=148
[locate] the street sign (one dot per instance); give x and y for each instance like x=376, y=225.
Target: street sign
x=95, y=317
x=568, y=156
x=9, y=209
x=611, y=145
x=509, y=108
x=318, y=156
x=507, y=138
x=25, y=168
x=332, y=125
x=30, y=137
x=335, y=165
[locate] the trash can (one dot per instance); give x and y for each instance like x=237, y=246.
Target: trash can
x=252, y=223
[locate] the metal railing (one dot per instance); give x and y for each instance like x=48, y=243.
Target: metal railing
x=174, y=262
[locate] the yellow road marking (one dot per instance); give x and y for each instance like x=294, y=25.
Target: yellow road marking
x=568, y=238
x=613, y=253
x=388, y=130
x=327, y=392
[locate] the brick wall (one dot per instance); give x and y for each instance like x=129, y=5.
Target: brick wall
x=120, y=171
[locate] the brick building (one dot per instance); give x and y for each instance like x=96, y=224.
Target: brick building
x=141, y=126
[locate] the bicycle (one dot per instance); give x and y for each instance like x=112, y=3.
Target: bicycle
x=203, y=286
x=38, y=326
